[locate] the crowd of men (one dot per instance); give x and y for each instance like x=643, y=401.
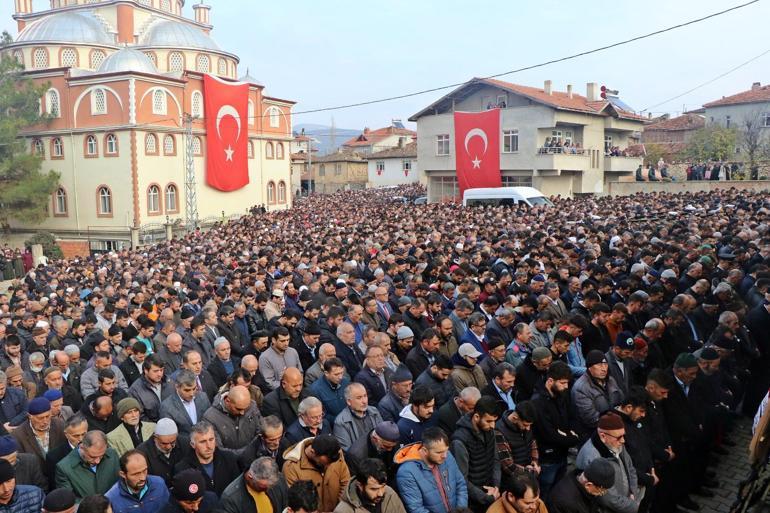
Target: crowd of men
x=356, y=355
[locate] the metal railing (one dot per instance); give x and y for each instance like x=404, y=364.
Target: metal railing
x=551, y=150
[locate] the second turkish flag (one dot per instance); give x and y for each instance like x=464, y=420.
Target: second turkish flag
x=477, y=149
x=227, y=126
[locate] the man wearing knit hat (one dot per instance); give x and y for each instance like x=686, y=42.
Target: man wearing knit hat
x=132, y=431
x=580, y=491
x=41, y=432
x=60, y=501
x=28, y=472
x=594, y=393
x=17, y=498
x=608, y=442
x=189, y=494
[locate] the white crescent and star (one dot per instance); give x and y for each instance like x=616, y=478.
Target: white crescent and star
x=476, y=132
x=229, y=110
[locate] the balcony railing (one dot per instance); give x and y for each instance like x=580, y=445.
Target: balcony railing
x=545, y=150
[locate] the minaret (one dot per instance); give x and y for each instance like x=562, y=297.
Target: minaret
x=203, y=15
x=22, y=7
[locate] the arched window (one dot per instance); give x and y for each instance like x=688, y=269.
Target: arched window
x=165, y=5
x=171, y=203
x=197, y=104
x=98, y=102
x=250, y=150
x=38, y=148
x=279, y=151
x=111, y=145
x=169, y=145
x=69, y=58
x=159, y=102
x=104, y=198
x=151, y=144
x=153, y=199
x=97, y=57
x=269, y=150
x=92, y=146
x=222, y=67
x=19, y=56
x=57, y=148
x=275, y=117
x=175, y=61
x=271, y=193
x=197, y=145
x=40, y=58
x=60, y=202
x=203, y=63
x=52, y=103
x=153, y=57
x=251, y=113
x=281, y=192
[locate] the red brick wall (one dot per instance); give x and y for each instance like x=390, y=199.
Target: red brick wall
x=74, y=248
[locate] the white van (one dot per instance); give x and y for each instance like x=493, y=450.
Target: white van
x=496, y=196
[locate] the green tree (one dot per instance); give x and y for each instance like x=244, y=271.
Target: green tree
x=712, y=143
x=25, y=191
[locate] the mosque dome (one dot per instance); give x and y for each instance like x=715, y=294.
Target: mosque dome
x=67, y=27
x=173, y=34
x=128, y=59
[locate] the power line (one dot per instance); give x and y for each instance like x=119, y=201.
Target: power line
x=708, y=81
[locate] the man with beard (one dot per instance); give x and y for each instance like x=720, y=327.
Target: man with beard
x=380, y=443
x=519, y=494
x=369, y=491
x=413, y=418
x=594, y=393
x=136, y=490
x=319, y=460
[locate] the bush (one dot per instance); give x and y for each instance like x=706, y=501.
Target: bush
x=48, y=241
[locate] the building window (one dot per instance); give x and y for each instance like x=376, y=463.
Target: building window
x=69, y=58
x=197, y=104
x=766, y=119
x=175, y=61
x=38, y=148
x=222, y=67
x=57, y=148
x=727, y=121
x=442, y=144
x=60, y=202
x=406, y=166
x=269, y=150
x=322, y=170
x=98, y=102
x=380, y=167
x=153, y=199
x=165, y=5
x=40, y=58
x=270, y=193
x=275, y=120
x=159, y=102
x=197, y=146
x=104, y=197
x=250, y=150
x=203, y=64
x=92, y=147
x=279, y=151
x=251, y=113
x=171, y=204
x=97, y=57
x=19, y=56
x=169, y=145
x=52, y=103
x=338, y=168
x=445, y=189
x=152, y=57
x=111, y=145
x=510, y=141
x=281, y=192
x=607, y=143
x=516, y=181
x=150, y=144
x=502, y=101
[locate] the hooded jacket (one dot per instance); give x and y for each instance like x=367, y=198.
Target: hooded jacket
x=417, y=485
x=410, y=426
x=476, y=455
x=330, y=485
x=351, y=502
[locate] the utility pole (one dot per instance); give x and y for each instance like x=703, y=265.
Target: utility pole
x=191, y=198
x=333, y=138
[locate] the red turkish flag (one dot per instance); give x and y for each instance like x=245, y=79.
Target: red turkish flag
x=227, y=126
x=477, y=149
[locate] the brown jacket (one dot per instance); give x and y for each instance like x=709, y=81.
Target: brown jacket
x=331, y=485
x=502, y=506
x=463, y=377
x=28, y=443
x=351, y=502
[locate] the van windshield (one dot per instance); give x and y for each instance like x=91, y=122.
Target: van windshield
x=538, y=201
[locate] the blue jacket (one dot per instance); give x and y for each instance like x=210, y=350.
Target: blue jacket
x=25, y=499
x=153, y=500
x=333, y=400
x=14, y=406
x=417, y=486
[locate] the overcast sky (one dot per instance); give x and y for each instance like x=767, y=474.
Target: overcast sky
x=323, y=54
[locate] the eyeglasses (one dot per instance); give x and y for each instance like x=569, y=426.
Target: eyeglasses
x=619, y=437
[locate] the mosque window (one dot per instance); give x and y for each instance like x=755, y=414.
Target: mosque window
x=159, y=102
x=52, y=103
x=111, y=145
x=105, y=201
x=97, y=57
x=197, y=146
x=153, y=199
x=40, y=58
x=165, y=5
x=175, y=61
x=19, y=56
x=98, y=102
x=69, y=58
x=152, y=57
x=60, y=205
x=38, y=148
x=57, y=148
x=222, y=67
x=151, y=144
x=281, y=192
x=203, y=63
x=197, y=104
x=275, y=120
x=251, y=113
x=169, y=145
x=92, y=146
x=171, y=203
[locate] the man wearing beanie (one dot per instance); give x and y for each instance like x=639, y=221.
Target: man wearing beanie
x=580, y=491
x=40, y=433
x=594, y=393
x=608, y=442
x=132, y=431
x=60, y=501
x=189, y=494
x=28, y=472
x=619, y=362
x=17, y=498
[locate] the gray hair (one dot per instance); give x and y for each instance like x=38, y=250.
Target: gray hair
x=464, y=304
x=185, y=377
x=470, y=394
x=727, y=316
x=653, y=324
x=271, y=422
x=342, y=326
x=201, y=428
x=37, y=356
x=519, y=328
x=307, y=403
x=71, y=349
x=723, y=287
x=93, y=439
x=265, y=469
x=349, y=389
x=476, y=317
x=506, y=313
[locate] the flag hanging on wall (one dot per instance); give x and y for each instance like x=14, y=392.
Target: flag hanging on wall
x=477, y=149
x=226, y=108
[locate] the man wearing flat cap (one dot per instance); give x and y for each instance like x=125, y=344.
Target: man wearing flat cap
x=40, y=433
x=608, y=442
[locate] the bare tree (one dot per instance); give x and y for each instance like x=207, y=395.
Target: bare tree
x=753, y=140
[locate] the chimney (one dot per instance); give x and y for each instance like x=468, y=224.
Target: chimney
x=755, y=86
x=592, y=92
x=22, y=7
x=547, y=87
x=202, y=13
x=569, y=90
x=366, y=130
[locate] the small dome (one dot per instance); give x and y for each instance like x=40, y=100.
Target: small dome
x=250, y=80
x=127, y=59
x=67, y=27
x=174, y=34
